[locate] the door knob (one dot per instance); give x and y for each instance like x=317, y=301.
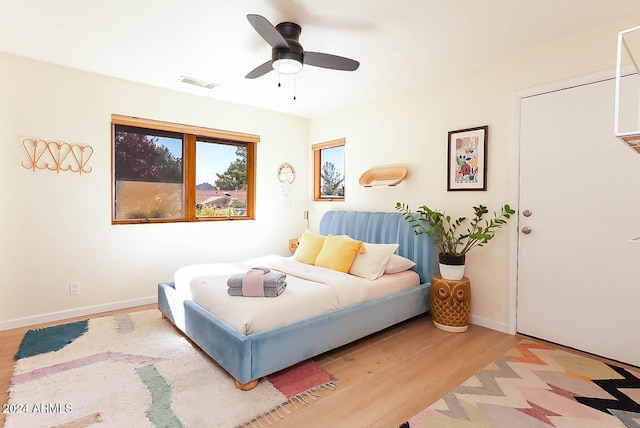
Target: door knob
x=526, y=230
x=527, y=213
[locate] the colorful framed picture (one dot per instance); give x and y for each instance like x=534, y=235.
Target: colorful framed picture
x=467, y=159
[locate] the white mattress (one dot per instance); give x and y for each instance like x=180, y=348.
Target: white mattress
x=391, y=283
x=310, y=291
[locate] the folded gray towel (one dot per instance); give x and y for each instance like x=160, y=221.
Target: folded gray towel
x=271, y=280
x=268, y=292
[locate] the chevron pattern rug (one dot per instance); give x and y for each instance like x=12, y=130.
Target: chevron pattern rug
x=136, y=370
x=536, y=385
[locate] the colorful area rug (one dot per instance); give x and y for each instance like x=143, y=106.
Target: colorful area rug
x=136, y=370
x=536, y=385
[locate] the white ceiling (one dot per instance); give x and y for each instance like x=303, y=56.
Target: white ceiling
x=400, y=44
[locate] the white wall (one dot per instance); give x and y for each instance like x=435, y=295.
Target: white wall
x=411, y=129
x=56, y=228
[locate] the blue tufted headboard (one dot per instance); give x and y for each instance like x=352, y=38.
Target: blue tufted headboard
x=385, y=228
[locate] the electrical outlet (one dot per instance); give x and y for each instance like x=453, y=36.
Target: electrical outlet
x=74, y=288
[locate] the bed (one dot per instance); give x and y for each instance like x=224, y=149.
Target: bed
x=248, y=356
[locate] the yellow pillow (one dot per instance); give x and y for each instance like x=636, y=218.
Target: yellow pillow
x=338, y=253
x=308, y=248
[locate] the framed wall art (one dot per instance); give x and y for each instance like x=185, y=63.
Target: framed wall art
x=467, y=159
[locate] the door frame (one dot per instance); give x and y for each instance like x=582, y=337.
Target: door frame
x=514, y=227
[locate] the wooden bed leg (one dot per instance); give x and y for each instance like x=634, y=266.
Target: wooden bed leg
x=246, y=386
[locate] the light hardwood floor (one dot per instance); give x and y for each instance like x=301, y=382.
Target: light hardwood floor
x=383, y=379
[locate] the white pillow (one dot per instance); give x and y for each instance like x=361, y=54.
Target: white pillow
x=371, y=263
x=397, y=264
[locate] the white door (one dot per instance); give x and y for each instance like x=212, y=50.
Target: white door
x=578, y=275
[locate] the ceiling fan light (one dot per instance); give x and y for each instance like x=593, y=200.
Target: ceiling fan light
x=287, y=66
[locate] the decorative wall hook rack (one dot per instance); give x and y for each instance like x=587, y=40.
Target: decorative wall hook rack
x=56, y=156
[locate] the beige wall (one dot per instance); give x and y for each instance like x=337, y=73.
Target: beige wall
x=411, y=129
x=56, y=228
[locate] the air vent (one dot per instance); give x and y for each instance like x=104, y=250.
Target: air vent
x=196, y=82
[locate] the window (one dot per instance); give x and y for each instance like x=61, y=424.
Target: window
x=328, y=171
x=165, y=172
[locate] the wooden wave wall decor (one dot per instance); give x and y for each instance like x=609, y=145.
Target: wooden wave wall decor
x=56, y=156
x=383, y=176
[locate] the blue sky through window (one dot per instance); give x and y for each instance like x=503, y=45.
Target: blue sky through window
x=335, y=155
x=210, y=158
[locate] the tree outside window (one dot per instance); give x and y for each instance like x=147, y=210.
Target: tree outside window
x=148, y=174
x=329, y=170
x=224, y=165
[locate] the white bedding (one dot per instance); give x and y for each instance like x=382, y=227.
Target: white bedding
x=310, y=291
x=392, y=283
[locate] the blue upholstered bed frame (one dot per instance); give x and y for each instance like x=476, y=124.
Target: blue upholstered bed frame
x=250, y=357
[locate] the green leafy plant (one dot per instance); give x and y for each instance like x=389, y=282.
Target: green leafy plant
x=212, y=211
x=449, y=233
x=137, y=214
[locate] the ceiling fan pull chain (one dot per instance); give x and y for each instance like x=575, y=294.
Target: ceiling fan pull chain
x=294, y=88
x=279, y=74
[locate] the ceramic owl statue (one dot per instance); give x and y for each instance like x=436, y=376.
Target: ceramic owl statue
x=450, y=303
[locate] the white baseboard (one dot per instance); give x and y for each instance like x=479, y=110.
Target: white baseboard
x=493, y=325
x=72, y=313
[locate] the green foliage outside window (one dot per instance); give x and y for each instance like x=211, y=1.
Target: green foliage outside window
x=332, y=181
x=235, y=177
x=139, y=157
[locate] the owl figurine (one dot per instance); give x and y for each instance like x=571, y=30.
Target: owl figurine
x=450, y=303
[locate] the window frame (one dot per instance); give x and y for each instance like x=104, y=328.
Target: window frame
x=191, y=134
x=317, y=169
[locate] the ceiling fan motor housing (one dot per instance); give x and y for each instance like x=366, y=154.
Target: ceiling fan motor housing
x=290, y=31
x=295, y=53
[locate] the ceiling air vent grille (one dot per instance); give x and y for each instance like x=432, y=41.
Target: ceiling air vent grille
x=196, y=82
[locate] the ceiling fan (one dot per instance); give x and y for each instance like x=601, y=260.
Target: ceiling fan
x=287, y=55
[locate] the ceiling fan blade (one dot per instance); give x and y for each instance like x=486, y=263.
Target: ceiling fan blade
x=260, y=70
x=334, y=62
x=267, y=31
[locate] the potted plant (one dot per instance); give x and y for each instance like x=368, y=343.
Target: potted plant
x=449, y=234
